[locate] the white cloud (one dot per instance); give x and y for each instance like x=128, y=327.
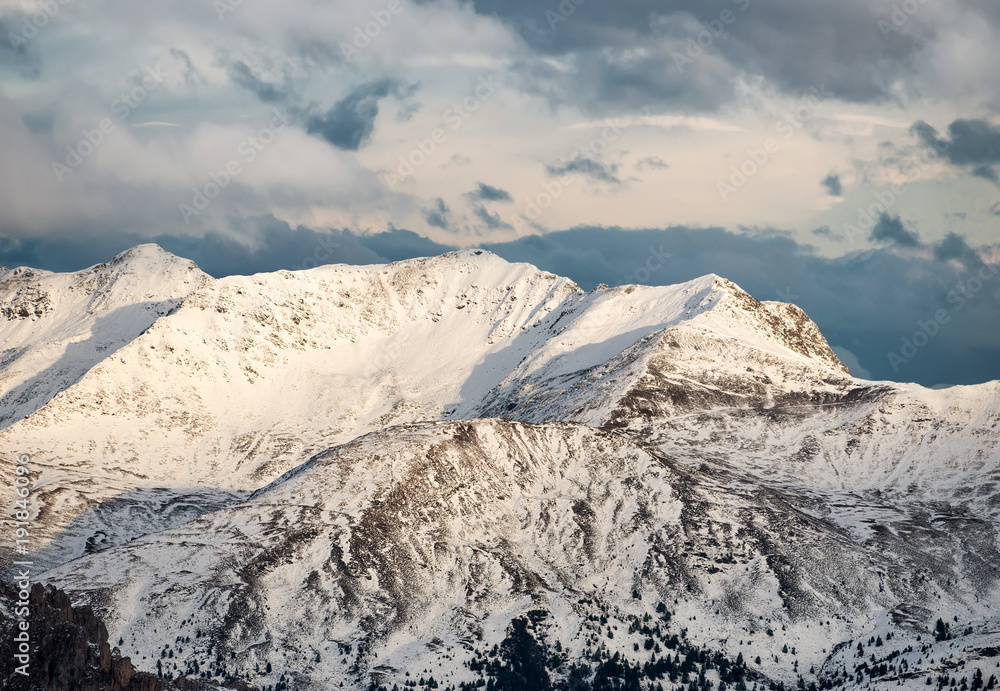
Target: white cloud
x=704, y=121
x=852, y=362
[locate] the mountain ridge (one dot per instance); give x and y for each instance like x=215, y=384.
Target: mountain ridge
x=436, y=527
x=279, y=442
x=447, y=331
x=79, y=316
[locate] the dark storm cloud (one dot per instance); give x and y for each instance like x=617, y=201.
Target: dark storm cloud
x=271, y=245
x=488, y=193
x=890, y=229
x=987, y=173
x=955, y=247
x=601, y=84
x=490, y=219
x=595, y=170
x=437, y=217
x=866, y=302
x=798, y=46
x=929, y=136
x=832, y=184
x=349, y=123
x=970, y=144
x=397, y=244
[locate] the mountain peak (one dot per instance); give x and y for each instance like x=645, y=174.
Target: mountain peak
x=59, y=325
x=148, y=254
x=778, y=323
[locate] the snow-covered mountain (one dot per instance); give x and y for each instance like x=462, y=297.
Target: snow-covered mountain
x=55, y=327
x=413, y=548
x=249, y=376
x=357, y=472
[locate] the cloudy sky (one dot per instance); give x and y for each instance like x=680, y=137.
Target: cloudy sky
x=840, y=154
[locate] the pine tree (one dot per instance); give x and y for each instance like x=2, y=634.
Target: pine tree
x=941, y=631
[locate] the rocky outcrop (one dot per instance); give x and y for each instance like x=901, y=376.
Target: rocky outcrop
x=69, y=650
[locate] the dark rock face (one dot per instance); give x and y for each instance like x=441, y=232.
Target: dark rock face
x=70, y=650
x=27, y=303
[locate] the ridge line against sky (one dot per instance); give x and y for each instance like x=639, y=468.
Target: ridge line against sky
x=927, y=313
x=847, y=153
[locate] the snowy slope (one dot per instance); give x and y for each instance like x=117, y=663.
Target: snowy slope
x=447, y=531
x=251, y=375
x=696, y=341
x=530, y=448
x=906, y=442
x=55, y=327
